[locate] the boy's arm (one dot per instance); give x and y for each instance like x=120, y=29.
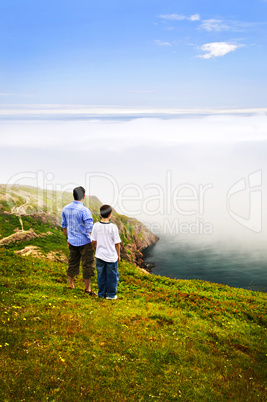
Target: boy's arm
x=94, y=244
x=118, y=249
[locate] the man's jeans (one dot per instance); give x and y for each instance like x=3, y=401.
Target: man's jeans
x=107, y=278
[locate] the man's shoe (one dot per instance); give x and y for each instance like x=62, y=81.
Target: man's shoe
x=90, y=292
x=111, y=298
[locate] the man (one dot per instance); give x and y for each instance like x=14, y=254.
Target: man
x=77, y=224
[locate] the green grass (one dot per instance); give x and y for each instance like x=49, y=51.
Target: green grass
x=162, y=339
x=8, y=223
x=53, y=242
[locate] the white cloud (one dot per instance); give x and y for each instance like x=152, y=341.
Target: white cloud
x=214, y=25
x=194, y=17
x=162, y=43
x=219, y=25
x=217, y=49
x=180, y=17
x=173, y=17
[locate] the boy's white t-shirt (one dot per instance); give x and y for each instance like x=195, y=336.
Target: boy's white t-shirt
x=106, y=235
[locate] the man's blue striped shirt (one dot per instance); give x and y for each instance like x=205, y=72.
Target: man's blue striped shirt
x=78, y=219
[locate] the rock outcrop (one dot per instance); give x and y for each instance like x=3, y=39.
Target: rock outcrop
x=22, y=235
x=18, y=237
x=35, y=251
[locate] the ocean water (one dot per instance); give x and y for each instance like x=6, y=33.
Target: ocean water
x=229, y=264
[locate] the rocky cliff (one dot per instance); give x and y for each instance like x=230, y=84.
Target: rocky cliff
x=135, y=238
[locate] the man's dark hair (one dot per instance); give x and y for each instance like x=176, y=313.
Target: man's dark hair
x=105, y=211
x=78, y=193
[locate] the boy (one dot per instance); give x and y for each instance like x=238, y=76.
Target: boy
x=106, y=241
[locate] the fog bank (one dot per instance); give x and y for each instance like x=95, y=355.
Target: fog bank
x=202, y=177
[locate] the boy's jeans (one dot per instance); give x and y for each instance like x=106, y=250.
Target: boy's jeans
x=107, y=278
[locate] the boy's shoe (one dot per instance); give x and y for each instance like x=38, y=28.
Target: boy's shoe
x=112, y=298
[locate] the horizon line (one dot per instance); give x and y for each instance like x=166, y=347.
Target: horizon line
x=107, y=110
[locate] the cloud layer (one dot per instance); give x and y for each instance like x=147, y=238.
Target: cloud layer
x=121, y=134
x=138, y=152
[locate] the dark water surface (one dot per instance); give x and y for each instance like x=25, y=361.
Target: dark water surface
x=234, y=265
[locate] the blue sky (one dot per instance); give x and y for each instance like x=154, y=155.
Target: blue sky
x=134, y=53
x=153, y=87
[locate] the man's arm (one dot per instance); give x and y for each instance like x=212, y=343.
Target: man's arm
x=64, y=226
x=118, y=249
x=65, y=231
x=88, y=221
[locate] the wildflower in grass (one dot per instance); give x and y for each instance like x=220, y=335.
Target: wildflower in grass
x=6, y=344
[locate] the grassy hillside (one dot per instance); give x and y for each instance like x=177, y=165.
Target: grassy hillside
x=162, y=339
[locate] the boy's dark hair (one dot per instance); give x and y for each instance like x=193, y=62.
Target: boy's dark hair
x=105, y=211
x=78, y=193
